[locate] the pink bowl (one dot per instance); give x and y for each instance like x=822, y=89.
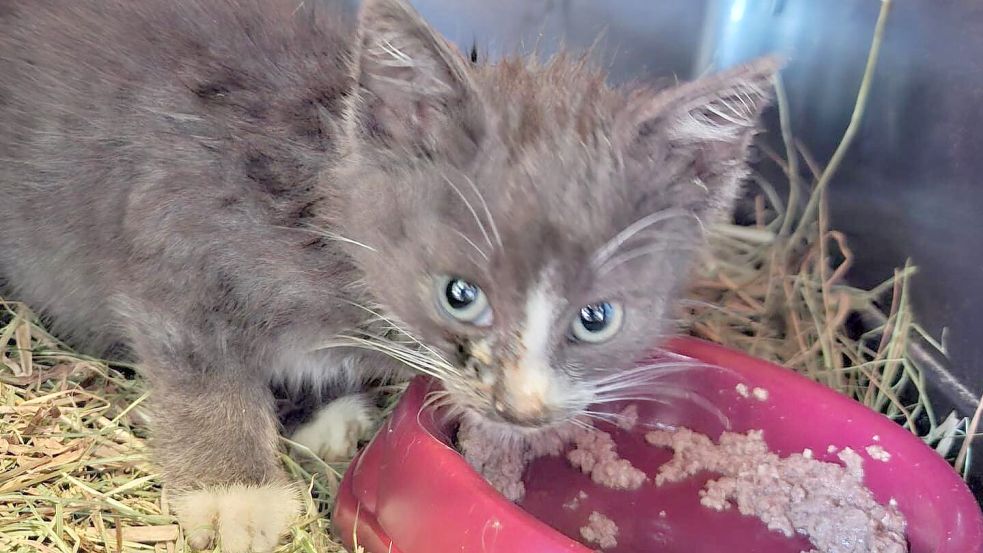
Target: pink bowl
x=409, y=492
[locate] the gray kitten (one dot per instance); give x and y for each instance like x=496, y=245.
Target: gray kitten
x=257, y=192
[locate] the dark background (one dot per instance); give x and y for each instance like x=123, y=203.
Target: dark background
x=909, y=185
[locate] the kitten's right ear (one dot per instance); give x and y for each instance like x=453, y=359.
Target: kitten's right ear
x=413, y=90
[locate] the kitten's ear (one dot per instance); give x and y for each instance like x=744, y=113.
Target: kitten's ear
x=703, y=129
x=413, y=90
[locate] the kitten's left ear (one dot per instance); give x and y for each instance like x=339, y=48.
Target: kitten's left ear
x=703, y=129
x=413, y=90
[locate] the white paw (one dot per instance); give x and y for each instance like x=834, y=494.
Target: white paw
x=334, y=432
x=242, y=519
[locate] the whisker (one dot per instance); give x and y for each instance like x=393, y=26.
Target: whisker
x=638, y=377
x=603, y=416
x=402, y=330
x=330, y=235
x=481, y=225
x=644, y=374
x=636, y=253
x=613, y=245
x=420, y=364
x=617, y=399
x=654, y=366
x=662, y=394
x=410, y=353
x=579, y=423
x=434, y=399
x=484, y=204
x=471, y=243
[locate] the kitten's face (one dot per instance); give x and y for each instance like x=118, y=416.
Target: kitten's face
x=530, y=226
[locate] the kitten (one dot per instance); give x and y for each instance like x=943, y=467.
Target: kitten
x=257, y=192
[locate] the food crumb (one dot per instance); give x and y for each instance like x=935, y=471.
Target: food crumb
x=878, y=453
x=876, y=438
x=502, y=458
x=831, y=449
x=574, y=503
x=742, y=389
x=827, y=502
x=628, y=417
x=600, y=530
x=595, y=454
x=662, y=514
x=807, y=453
x=760, y=394
x=501, y=464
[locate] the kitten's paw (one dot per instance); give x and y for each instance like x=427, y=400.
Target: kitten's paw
x=334, y=432
x=243, y=519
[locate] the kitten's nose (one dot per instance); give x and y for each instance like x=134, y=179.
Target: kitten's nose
x=522, y=395
x=529, y=413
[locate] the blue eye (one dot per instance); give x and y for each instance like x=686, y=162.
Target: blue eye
x=463, y=301
x=597, y=322
x=461, y=294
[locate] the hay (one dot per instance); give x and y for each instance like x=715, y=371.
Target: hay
x=777, y=290
x=74, y=471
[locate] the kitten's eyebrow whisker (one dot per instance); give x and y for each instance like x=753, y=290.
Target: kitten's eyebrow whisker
x=608, y=249
x=330, y=236
x=477, y=219
x=471, y=243
x=397, y=54
x=636, y=253
x=484, y=204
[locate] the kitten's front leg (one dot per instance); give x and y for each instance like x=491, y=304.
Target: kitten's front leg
x=215, y=436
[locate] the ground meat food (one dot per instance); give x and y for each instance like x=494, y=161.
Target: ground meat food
x=502, y=458
x=826, y=502
x=574, y=503
x=501, y=464
x=628, y=417
x=759, y=394
x=600, y=530
x=878, y=453
x=595, y=454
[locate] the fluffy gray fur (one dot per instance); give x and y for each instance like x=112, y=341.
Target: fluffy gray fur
x=252, y=191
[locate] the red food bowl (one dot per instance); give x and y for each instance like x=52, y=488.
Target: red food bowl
x=409, y=491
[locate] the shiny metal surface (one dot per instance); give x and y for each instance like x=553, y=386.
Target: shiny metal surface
x=910, y=186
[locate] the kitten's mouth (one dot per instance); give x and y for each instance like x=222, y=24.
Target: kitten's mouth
x=480, y=403
x=509, y=432
x=505, y=416
x=522, y=427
